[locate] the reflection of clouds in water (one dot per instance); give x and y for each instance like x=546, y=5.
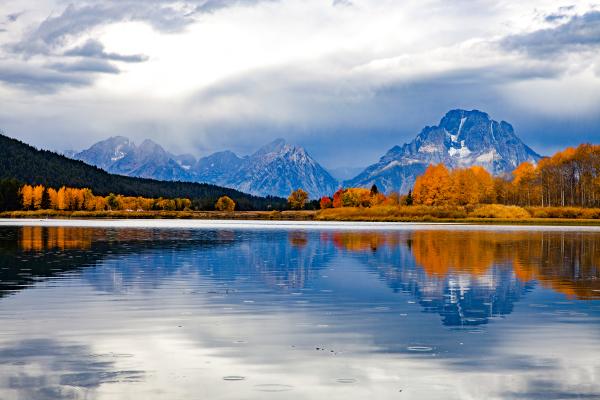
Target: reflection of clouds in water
x=47, y=369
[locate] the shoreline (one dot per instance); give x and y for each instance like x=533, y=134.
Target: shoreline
x=282, y=225
x=310, y=217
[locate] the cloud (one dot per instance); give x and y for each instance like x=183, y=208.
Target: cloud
x=94, y=49
x=342, y=3
x=580, y=32
x=34, y=78
x=84, y=16
x=14, y=16
x=100, y=66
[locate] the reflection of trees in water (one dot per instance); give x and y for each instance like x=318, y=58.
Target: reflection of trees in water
x=145, y=257
x=568, y=263
x=469, y=276
x=466, y=276
x=28, y=254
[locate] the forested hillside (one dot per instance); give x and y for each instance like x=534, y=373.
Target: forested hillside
x=32, y=166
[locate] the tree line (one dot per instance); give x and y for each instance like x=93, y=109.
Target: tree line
x=29, y=197
x=39, y=197
x=568, y=178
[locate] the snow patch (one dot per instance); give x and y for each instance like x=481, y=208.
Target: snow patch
x=461, y=152
x=429, y=148
x=462, y=122
x=486, y=157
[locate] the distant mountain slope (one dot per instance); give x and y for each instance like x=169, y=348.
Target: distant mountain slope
x=463, y=138
x=119, y=155
x=29, y=165
x=281, y=168
x=276, y=169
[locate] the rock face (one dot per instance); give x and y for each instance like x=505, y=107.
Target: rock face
x=276, y=169
x=279, y=168
x=119, y=155
x=462, y=139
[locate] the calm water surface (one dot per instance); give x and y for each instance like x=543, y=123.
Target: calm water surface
x=418, y=313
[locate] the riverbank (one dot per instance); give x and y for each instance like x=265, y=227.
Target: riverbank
x=330, y=215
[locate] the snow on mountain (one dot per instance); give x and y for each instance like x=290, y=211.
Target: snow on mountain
x=462, y=139
x=279, y=168
x=275, y=169
x=119, y=155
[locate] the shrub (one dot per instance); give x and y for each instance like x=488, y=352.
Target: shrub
x=225, y=204
x=499, y=211
x=564, y=212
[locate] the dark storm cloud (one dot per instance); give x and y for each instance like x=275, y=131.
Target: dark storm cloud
x=94, y=49
x=580, y=32
x=317, y=111
x=38, y=79
x=100, y=66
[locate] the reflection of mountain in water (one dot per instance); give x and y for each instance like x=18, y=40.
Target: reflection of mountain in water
x=468, y=277
x=465, y=276
x=275, y=259
x=469, y=296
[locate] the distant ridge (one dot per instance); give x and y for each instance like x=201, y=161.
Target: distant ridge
x=276, y=169
x=30, y=165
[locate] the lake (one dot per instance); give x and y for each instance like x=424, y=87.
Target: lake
x=233, y=310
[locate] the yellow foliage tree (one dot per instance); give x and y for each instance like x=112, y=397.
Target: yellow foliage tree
x=225, y=203
x=37, y=196
x=433, y=187
x=27, y=196
x=297, y=199
x=53, y=197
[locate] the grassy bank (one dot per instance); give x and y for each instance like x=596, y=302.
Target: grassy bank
x=486, y=214
x=243, y=215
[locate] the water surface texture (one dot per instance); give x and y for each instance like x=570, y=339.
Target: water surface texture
x=414, y=313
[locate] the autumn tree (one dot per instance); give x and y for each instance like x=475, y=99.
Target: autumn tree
x=225, y=203
x=53, y=198
x=61, y=200
x=433, y=187
x=337, y=198
x=37, y=196
x=297, y=199
x=325, y=202
x=356, y=197
x=525, y=184
x=27, y=197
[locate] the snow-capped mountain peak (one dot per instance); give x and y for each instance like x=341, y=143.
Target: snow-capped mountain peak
x=461, y=139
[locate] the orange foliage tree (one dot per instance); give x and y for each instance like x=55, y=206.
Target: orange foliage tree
x=325, y=202
x=433, y=187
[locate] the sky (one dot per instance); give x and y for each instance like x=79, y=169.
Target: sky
x=346, y=79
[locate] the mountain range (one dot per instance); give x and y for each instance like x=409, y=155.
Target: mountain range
x=26, y=164
x=275, y=169
x=461, y=139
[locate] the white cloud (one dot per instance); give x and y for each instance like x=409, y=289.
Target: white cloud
x=230, y=77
